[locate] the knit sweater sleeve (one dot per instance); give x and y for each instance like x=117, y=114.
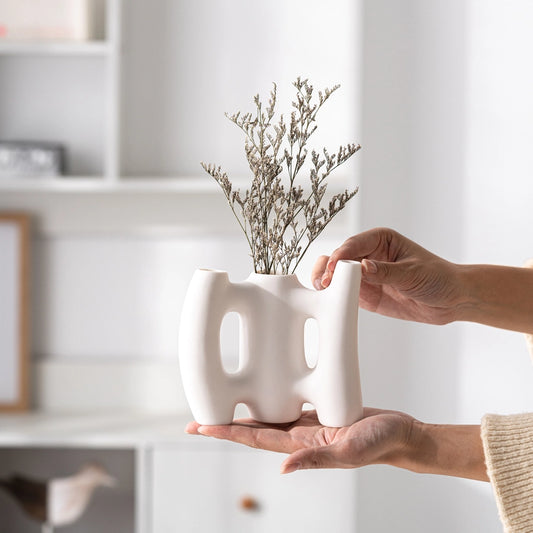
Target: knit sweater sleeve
x=508, y=446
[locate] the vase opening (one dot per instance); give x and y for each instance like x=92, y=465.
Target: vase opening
x=262, y=274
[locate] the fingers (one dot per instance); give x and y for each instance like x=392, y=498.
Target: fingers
x=192, y=428
x=268, y=438
x=336, y=256
x=325, y=266
x=401, y=275
x=255, y=436
x=381, y=271
x=318, y=272
x=311, y=458
x=375, y=243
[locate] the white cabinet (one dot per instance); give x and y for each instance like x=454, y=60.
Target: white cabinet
x=169, y=482
x=232, y=488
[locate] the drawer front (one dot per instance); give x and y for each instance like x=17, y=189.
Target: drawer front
x=237, y=489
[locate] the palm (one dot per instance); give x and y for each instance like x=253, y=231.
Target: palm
x=378, y=434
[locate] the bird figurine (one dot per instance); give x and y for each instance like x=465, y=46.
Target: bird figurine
x=58, y=501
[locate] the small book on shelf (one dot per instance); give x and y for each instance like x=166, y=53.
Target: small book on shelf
x=55, y=20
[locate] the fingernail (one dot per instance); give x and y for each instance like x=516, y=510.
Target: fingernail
x=288, y=469
x=325, y=281
x=201, y=430
x=191, y=428
x=318, y=284
x=370, y=266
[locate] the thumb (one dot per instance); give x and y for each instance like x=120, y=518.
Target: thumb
x=308, y=458
x=384, y=272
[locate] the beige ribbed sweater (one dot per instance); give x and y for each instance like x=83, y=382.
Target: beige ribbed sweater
x=508, y=445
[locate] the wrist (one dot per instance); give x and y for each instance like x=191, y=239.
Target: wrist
x=494, y=295
x=468, y=297
x=412, y=448
x=452, y=450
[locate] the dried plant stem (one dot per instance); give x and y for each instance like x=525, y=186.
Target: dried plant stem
x=269, y=209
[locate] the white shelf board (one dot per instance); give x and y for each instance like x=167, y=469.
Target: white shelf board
x=103, y=185
x=75, y=48
x=183, y=185
x=99, y=430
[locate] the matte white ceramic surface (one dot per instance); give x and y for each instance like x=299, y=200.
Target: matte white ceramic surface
x=274, y=379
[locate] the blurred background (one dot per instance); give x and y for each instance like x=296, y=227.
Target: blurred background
x=437, y=92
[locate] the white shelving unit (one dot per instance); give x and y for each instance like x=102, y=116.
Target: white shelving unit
x=131, y=107
x=35, y=66
x=109, y=178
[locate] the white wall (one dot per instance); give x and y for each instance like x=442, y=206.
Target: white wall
x=187, y=63
x=447, y=125
x=106, y=314
x=498, y=191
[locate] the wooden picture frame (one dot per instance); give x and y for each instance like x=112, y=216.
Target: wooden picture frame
x=14, y=311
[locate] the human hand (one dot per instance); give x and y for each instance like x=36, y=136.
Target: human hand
x=376, y=438
x=380, y=437
x=399, y=278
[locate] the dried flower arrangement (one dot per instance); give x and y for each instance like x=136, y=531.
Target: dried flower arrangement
x=275, y=216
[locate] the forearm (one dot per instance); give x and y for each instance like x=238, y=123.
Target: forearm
x=451, y=450
x=497, y=296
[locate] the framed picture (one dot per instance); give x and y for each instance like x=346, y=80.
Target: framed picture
x=14, y=311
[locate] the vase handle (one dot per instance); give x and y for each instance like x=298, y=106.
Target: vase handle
x=207, y=386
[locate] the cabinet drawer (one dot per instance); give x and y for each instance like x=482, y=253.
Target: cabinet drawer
x=232, y=489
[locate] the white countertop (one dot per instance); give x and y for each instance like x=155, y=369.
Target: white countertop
x=102, y=430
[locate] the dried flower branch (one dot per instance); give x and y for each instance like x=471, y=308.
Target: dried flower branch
x=279, y=218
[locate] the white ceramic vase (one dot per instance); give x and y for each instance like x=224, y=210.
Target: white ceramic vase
x=274, y=379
